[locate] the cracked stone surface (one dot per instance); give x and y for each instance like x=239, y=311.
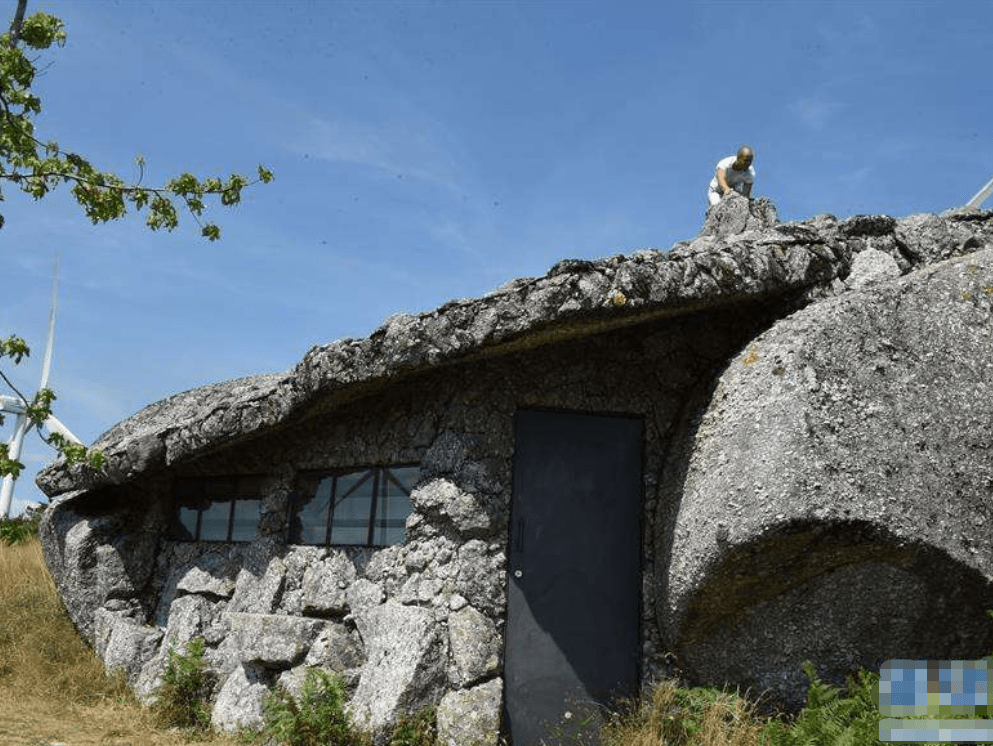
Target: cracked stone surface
x=816, y=473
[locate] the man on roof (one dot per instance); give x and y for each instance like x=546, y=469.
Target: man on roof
x=734, y=173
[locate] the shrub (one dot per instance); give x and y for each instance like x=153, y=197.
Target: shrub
x=13, y=532
x=181, y=700
x=16, y=530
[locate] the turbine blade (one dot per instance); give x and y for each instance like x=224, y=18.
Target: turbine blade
x=55, y=426
x=46, y=366
x=981, y=195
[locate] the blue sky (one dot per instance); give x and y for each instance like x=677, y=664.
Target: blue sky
x=425, y=151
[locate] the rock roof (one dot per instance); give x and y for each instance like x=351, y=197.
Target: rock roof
x=805, y=260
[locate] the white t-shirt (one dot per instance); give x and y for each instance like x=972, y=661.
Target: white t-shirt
x=734, y=178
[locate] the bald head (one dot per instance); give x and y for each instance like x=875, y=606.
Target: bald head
x=744, y=159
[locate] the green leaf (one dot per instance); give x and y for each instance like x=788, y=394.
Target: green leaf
x=41, y=30
x=14, y=347
x=96, y=459
x=8, y=465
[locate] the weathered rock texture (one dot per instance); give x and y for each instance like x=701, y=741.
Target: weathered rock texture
x=836, y=501
x=817, y=474
x=736, y=214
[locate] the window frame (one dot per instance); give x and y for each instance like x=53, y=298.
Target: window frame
x=309, y=483
x=201, y=493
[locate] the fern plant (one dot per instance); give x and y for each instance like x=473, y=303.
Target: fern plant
x=316, y=718
x=181, y=700
x=830, y=719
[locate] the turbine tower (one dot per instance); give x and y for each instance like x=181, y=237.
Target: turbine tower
x=17, y=406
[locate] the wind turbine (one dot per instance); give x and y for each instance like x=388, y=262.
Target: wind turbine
x=17, y=406
x=981, y=196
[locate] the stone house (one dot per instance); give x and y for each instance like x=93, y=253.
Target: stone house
x=766, y=445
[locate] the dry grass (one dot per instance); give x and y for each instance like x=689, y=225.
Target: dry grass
x=671, y=716
x=52, y=686
x=40, y=651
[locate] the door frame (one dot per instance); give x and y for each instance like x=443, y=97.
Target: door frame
x=640, y=419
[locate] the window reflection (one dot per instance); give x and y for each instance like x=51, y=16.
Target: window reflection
x=217, y=508
x=394, y=505
x=352, y=504
x=214, y=520
x=360, y=508
x=188, y=521
x=245, y=520
x=313, y=516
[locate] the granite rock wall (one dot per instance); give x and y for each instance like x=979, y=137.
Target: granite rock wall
x=816, y=455
x=407, y=626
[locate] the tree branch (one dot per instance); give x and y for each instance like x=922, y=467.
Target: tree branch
x=17, y=177
x=12, y=386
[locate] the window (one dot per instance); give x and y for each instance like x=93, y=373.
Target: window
x=355, y=508
x=217, y=508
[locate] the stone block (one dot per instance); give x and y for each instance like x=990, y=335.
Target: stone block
x=271, y=640
x=325, y=586
x=405, y=666
x=471, y=717
x=239, y=702
x=475, y=646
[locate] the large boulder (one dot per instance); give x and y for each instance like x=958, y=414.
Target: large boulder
x=276, y=641
x=835, y=504
x=124, y=645
x=405, y=669
x=97, y=561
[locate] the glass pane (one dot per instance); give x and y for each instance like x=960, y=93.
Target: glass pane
x=348, y=483
x=246, y=520
x=214, y=521
x=187, y=528
x=391, y=517
x=406, y=476
x=353, y=504
x=312, y=514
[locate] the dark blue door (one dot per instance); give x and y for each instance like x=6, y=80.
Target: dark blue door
x=572, y=634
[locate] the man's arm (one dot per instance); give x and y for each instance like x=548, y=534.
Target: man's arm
x=722, y=181
x=746, y=189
